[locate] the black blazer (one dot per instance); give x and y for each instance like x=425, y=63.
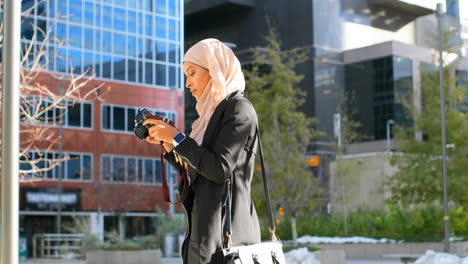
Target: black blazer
x=228, y=151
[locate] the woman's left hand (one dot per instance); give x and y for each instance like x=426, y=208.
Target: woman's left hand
x=160, y=131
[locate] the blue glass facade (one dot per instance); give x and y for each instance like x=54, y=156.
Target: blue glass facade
x=131, y=41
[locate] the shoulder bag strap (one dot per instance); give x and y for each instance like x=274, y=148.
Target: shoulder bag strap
x=227, y=201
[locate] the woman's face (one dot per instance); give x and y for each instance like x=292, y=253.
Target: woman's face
x=197, y=78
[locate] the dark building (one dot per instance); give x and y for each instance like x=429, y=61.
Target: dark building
x=363, y=55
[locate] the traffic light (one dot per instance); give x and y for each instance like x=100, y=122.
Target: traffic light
x=313, y=161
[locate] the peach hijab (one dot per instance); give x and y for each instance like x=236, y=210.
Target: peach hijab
x=226, y=77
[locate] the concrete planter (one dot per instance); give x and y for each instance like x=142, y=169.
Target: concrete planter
x=124, y=257
x=373, y=251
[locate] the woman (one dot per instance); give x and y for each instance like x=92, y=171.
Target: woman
x=220, y=148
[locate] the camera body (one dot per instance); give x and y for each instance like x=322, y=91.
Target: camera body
x=140, y=130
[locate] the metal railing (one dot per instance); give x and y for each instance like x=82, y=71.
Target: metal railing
x=57, y=245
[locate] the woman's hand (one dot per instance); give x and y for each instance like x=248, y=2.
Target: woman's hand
x=160, y=131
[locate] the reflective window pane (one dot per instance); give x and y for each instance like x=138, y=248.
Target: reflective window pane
x=119, y=19
x=132, y=46
x=74, y=36
x=149, y=49
x=172, y=76
x=106, y=169
x=131, y=170
x=171, y=51
x=131, y=119
x=107, y=41
x=149, y=26
x=106, y=66
x=106, y=16
x=97, y=40
x=75, y=10
x=172, y=8
x=149, y=73
x=119, y=118
x=132, y=23
x=172, y=30
x=88, y=63
x=158, y=171
x=87, y=115
x=160, y=50
x=131, y=70
x=119, y=44
x=148, y=171
x=119, y=68
x=160, y=74
x=141, y=23
x=106, y=117
x=140, y=71
x=118, y=173
x=74, y=115
x=160, y=26
x=161, y=6
x=87, y=167
x=73, y=168
x=88, y=38
x=140, y=170
x=75, y=57
x=89, y=14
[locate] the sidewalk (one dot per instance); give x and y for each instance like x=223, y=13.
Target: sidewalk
x=373, y=261
x=175, y=260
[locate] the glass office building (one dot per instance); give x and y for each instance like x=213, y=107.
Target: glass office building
x=131, y=41
x=133, y=47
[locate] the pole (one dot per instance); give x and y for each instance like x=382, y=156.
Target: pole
x=442, y=124
x=389, y=122
x=59, y=185
x=171, y=172
x=10, y=132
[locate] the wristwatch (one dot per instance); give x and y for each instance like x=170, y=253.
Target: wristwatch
x=178, y=139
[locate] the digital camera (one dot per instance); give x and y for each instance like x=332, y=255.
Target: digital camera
x=140, y=130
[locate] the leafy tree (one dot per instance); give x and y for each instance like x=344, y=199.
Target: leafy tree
x=346, y=171
x=419, y=175
x=285, y=131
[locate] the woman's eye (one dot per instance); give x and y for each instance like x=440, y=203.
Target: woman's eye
x=191, y=74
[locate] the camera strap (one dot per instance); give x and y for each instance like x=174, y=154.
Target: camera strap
x=183, y=172
x=185, y=180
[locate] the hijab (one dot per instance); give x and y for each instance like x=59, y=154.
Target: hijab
x=226, y=78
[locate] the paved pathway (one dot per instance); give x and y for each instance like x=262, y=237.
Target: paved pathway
x=177, y=260
x=38, y=261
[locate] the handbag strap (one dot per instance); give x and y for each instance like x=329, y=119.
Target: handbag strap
x=227, y=201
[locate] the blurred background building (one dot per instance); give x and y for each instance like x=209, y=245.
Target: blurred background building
x=364, y=51
x=362, y=54
x=135, y=48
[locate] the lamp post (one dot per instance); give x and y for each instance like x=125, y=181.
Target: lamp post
x=389, y=122
x=11, y=66
x=439, y=14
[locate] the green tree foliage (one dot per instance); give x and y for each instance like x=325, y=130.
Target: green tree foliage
x=392, y=221
x=419, y=175
x=285, y=131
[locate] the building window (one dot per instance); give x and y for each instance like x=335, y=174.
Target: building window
x=45, y=165
x=119, y=40
x=36, y=110
x=133, y=170
x=121, y=118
